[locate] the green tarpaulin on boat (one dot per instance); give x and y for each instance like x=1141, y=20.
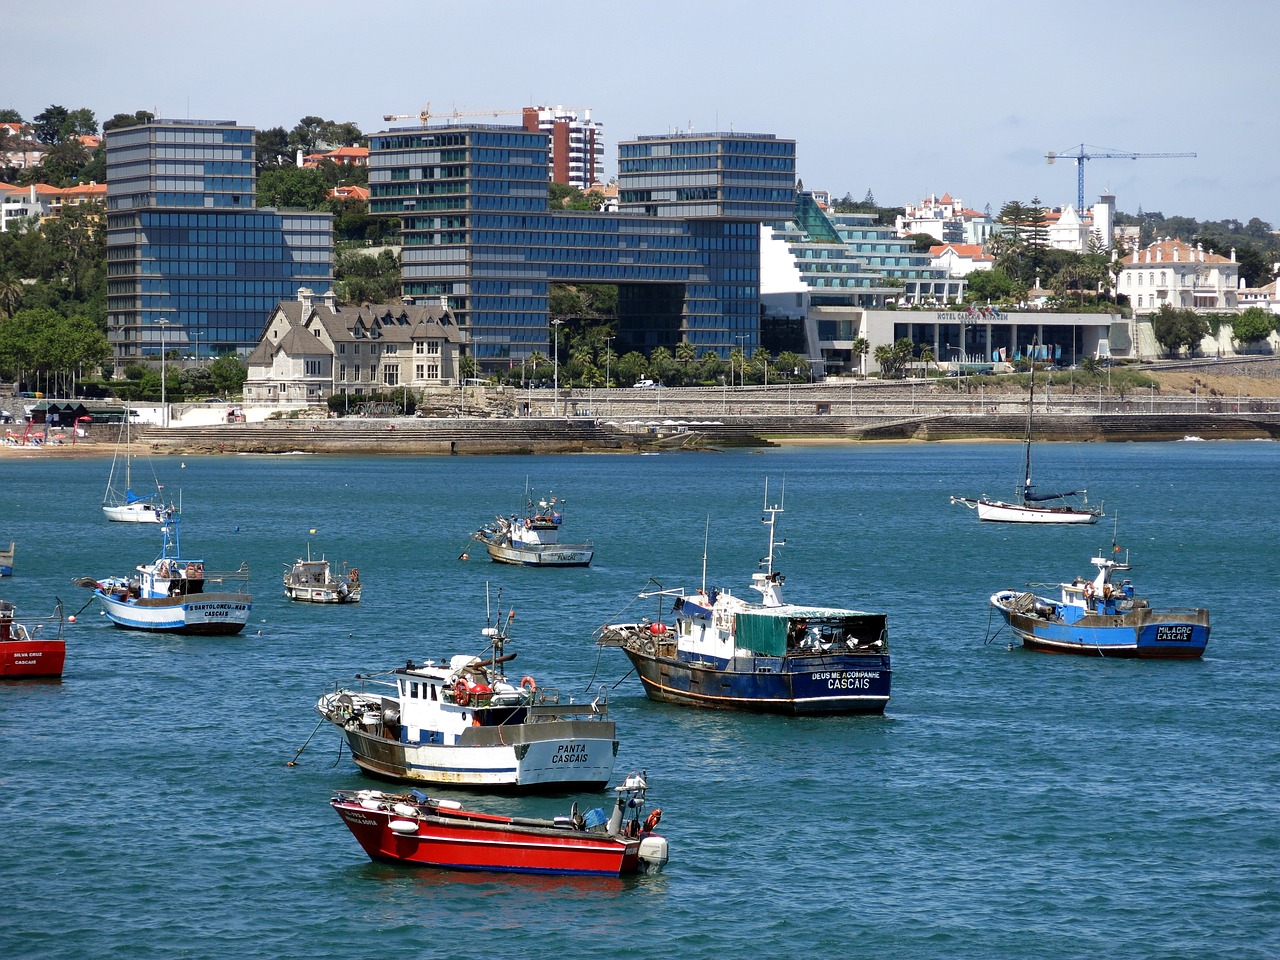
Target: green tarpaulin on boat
x=762, y=633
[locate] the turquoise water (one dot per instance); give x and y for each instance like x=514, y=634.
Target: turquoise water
x=1007, y=805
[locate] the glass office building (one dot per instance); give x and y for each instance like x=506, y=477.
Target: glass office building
x=193, y=265
x=684, y=248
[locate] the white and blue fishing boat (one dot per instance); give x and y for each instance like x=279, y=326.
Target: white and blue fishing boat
x=714, y=649
x=1099, y=618
x=533, y=539
x=175, y=594
x=463, y=723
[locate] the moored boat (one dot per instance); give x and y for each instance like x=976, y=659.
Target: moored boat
x=32, y=647
x=533, y=540
x=119, y=501
x=6, y=559
x=313, y=581
x=727, y=653
x=462, y=723
x=175, y=594
x=1031, y=505
x=1099, y=618
x=422, y=831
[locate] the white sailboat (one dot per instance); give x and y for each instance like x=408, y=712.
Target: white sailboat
x=120, y=502
x=1031, y=506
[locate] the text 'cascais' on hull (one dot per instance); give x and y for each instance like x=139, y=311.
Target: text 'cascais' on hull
x=832, y=685
x=211, y=615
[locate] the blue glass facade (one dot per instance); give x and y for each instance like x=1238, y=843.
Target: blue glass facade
x=477, y=228
x=192, y=263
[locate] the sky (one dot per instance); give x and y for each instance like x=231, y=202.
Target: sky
x=905, y=98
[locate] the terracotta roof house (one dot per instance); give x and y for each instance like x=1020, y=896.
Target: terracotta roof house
x=961, y=259
x=349, y=192
x=343, y=157
x=312, y=349
x=1174, y=272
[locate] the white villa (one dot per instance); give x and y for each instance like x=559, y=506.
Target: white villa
x=1174, y=272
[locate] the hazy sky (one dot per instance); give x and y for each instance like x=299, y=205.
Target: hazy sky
x=902, y=98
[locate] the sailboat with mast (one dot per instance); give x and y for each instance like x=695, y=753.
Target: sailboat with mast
x=120, y=502
x=1031, y=506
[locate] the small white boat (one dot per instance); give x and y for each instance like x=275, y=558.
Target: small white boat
x=533, y=540
x=119, y=502
x=462, y=723
x=6, y=559
x=1030, y=506
x=313, y=581
x=175, y=594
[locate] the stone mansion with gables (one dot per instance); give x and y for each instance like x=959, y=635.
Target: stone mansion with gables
x=312, y=349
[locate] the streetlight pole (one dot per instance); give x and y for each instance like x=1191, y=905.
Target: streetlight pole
x=742, y=357
x=164, y=405
x=555, y=352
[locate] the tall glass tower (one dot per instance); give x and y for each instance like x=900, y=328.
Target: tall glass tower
x=193, y=266
x=477, y=228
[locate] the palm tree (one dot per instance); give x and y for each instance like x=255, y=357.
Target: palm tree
x=10, y=296
x=861, y=346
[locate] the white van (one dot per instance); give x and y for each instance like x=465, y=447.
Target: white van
x=645, y=384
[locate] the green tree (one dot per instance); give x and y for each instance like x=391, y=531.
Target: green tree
x=860, y=348
x=229, y=374
x=923, y=242
x=1174, y=328
x=52, y=125
x=991, y=286
x=1252, y=325
x=292, y=187
x=137, y=119
x=273, y=148
x=893, y=359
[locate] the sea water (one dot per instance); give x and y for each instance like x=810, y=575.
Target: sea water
x=1008, y=804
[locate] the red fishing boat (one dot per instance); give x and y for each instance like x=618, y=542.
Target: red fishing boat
x=416, y=829
x=33, y=647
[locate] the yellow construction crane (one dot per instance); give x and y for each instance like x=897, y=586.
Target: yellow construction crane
x=425, y=114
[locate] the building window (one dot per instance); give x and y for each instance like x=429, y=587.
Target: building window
x=390, y=374
x=433, y=371
x=313, y=368
x=419, y=371
x=342, y=372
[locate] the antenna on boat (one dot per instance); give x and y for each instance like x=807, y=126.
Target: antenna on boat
x=772, y=521
x=706, y=538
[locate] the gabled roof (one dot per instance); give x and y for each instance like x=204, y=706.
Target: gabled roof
x=1173, y=250
x=300, y=341
x=970, y=251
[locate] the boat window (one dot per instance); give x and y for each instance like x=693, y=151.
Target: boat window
x=434, y=690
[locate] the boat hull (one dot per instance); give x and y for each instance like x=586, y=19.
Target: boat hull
x=541, y=555
x=321, y=594
x=526, y=757
x=797, y=686
x=459, y=844
x=1144, y=635
x=208, y=614
x=133, y=513
x=32, y=658
x=994, y=511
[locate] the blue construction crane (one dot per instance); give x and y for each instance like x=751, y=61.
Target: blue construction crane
x=1101, y=153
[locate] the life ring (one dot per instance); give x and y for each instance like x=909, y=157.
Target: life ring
x=652, y=819
x=1088, y=590
x=461, y=695
x=528, y=683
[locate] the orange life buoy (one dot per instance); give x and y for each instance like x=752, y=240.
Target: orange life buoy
x=528, y=683
x=461, y=695
x=652, y=819
x=1088, y=590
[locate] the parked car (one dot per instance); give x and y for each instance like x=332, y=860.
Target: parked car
x=645, y=384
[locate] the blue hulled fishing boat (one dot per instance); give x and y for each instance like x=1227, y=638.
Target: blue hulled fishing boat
x=714, y=649
x=1100, y=618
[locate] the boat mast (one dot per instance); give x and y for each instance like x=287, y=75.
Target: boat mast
x=1031, y=400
